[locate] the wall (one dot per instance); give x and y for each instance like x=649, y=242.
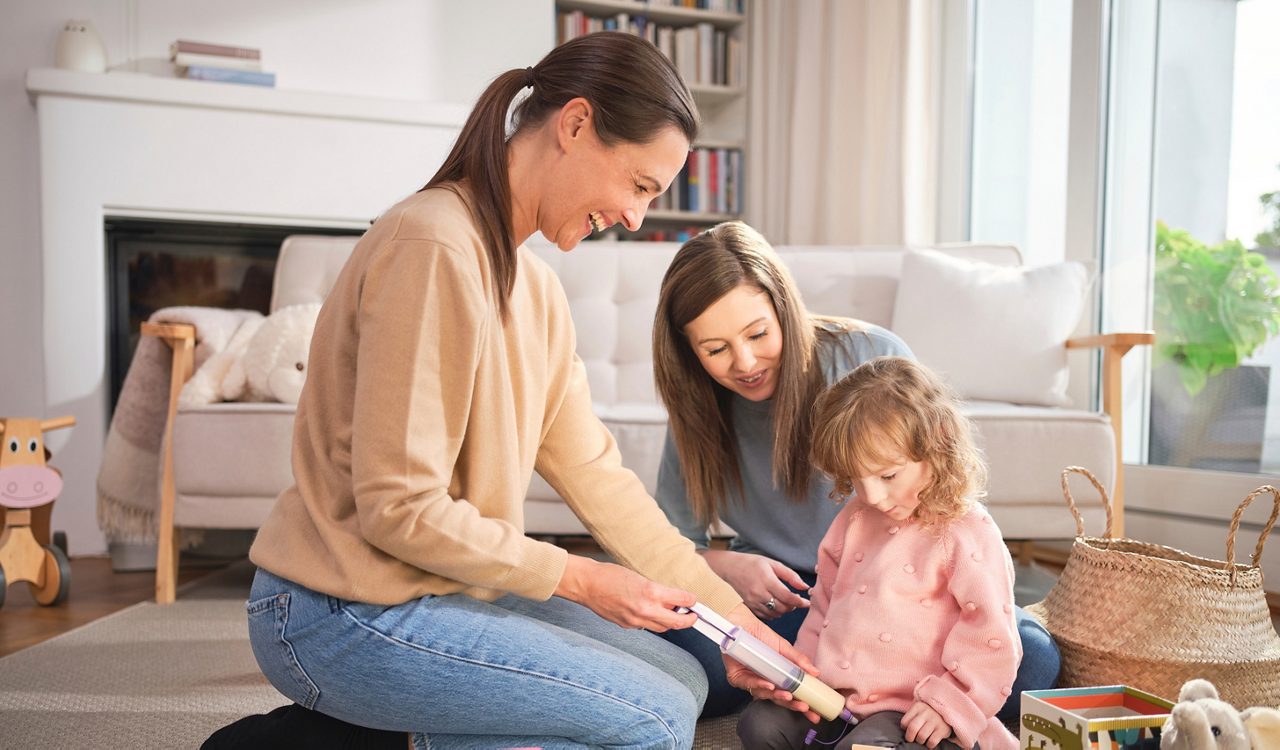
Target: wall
x=426, y=50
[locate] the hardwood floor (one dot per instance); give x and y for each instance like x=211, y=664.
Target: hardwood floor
x=96, y=592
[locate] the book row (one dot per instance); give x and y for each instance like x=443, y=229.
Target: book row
x=702, y=53
x=711, y=182
x=723, y=6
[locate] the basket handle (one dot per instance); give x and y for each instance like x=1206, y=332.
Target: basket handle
x=1262, y=538
x=1106, y=501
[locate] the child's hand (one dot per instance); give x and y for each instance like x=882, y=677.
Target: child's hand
x=925, y=726
x=761, y=689
x=760, y=581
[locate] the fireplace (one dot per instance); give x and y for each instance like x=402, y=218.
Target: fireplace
x=152, y=264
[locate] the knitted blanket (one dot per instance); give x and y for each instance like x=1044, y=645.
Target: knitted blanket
x=129, y=478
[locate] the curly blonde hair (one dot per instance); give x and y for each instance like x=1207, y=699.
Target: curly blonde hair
x=890, y=408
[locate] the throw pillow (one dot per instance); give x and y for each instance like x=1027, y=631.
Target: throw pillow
x=995, y=333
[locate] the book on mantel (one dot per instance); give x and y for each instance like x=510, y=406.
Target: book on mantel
x=230, y=75
x=204, y=61
x=217, y=50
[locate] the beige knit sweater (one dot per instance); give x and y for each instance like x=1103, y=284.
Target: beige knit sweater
x=424, y=417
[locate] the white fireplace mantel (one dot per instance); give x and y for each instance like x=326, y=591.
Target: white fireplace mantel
x=136, y=145
x=179, y=92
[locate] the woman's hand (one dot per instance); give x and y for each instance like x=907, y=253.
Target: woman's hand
x=624, y=597
x=743, y=678
x=759, y=580
x=923, y=725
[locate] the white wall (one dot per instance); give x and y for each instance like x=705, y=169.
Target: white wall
x=425, y=50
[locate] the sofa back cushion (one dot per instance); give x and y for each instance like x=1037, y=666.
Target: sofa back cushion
x=995, y=333
x=612, y=288
x=862, y=281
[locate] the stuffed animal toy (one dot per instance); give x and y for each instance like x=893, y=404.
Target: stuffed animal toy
x=1200, y=721
x=274, y=364
x=1263, y=725
x=205, y=385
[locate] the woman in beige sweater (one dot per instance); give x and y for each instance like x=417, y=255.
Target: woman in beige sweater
x=396, y=587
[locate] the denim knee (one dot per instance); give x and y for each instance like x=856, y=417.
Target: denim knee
x=1040, y=663
x=1040, y=657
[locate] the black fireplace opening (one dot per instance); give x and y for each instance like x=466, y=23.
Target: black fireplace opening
x=152, y=264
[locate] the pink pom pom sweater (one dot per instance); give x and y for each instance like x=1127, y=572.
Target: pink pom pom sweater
x=903, y=614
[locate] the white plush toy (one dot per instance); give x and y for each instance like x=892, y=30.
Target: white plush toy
x=274, y=364
x=1200, y=721
x=205, y=386
x=1263, y=725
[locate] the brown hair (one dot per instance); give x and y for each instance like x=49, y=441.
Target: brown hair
x=707, y=267
x=892, y=407
x=635, y=93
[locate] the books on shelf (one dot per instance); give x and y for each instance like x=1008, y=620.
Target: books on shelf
x=723, y=6
x=203, y=61
x=710, y=183
x=701, y=52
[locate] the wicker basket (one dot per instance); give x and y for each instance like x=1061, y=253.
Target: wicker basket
x=1152, y=617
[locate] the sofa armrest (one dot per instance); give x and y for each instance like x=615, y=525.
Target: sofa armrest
x=182, y=339
x=1114, y=346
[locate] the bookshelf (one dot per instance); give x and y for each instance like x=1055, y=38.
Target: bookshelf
x=708, y=47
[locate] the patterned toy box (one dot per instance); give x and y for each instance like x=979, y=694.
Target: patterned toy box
x=1115, y=717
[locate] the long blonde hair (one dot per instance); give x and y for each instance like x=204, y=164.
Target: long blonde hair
x=706, y=268
x=890, y=407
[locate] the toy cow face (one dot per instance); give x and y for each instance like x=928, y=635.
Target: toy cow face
x=25, y=480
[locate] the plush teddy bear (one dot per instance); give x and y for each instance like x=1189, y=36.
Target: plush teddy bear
x=1263, y=725
x=274, y=364
x=1200, y=721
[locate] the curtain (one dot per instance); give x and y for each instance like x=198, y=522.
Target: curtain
x=842, y=138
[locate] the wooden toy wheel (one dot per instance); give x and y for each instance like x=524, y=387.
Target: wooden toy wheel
x=4, y=585
x=57, y=578
x=60, y=541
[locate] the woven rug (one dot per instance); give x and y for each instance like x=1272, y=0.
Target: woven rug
x=159, y=677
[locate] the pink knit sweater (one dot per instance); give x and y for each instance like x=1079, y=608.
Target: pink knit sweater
x=901, y=614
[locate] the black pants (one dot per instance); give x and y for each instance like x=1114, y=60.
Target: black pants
x=768, y=726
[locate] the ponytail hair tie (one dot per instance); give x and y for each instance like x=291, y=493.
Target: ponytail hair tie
x=528, y=77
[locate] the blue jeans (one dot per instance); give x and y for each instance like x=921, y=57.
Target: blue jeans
x=462, y=673
x=1038, y=670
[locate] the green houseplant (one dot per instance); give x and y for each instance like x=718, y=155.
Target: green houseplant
x=1213, y=306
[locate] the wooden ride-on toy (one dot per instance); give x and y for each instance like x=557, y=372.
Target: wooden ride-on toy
x=28, y=486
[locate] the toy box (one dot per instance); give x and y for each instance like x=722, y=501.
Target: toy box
x=1115, y=717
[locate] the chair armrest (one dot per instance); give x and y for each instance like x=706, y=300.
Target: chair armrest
x=182, y=339
x=1127, y=340
x=1114, y=346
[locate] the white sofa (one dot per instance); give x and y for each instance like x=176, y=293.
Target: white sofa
x=230, y=460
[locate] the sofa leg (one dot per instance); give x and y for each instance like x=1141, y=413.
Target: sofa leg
x=1024, y=551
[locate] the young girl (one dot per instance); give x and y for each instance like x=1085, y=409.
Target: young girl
x=912, y=615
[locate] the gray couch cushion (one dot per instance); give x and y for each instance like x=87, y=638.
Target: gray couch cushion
x=1027, y=447
x=230, y=461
